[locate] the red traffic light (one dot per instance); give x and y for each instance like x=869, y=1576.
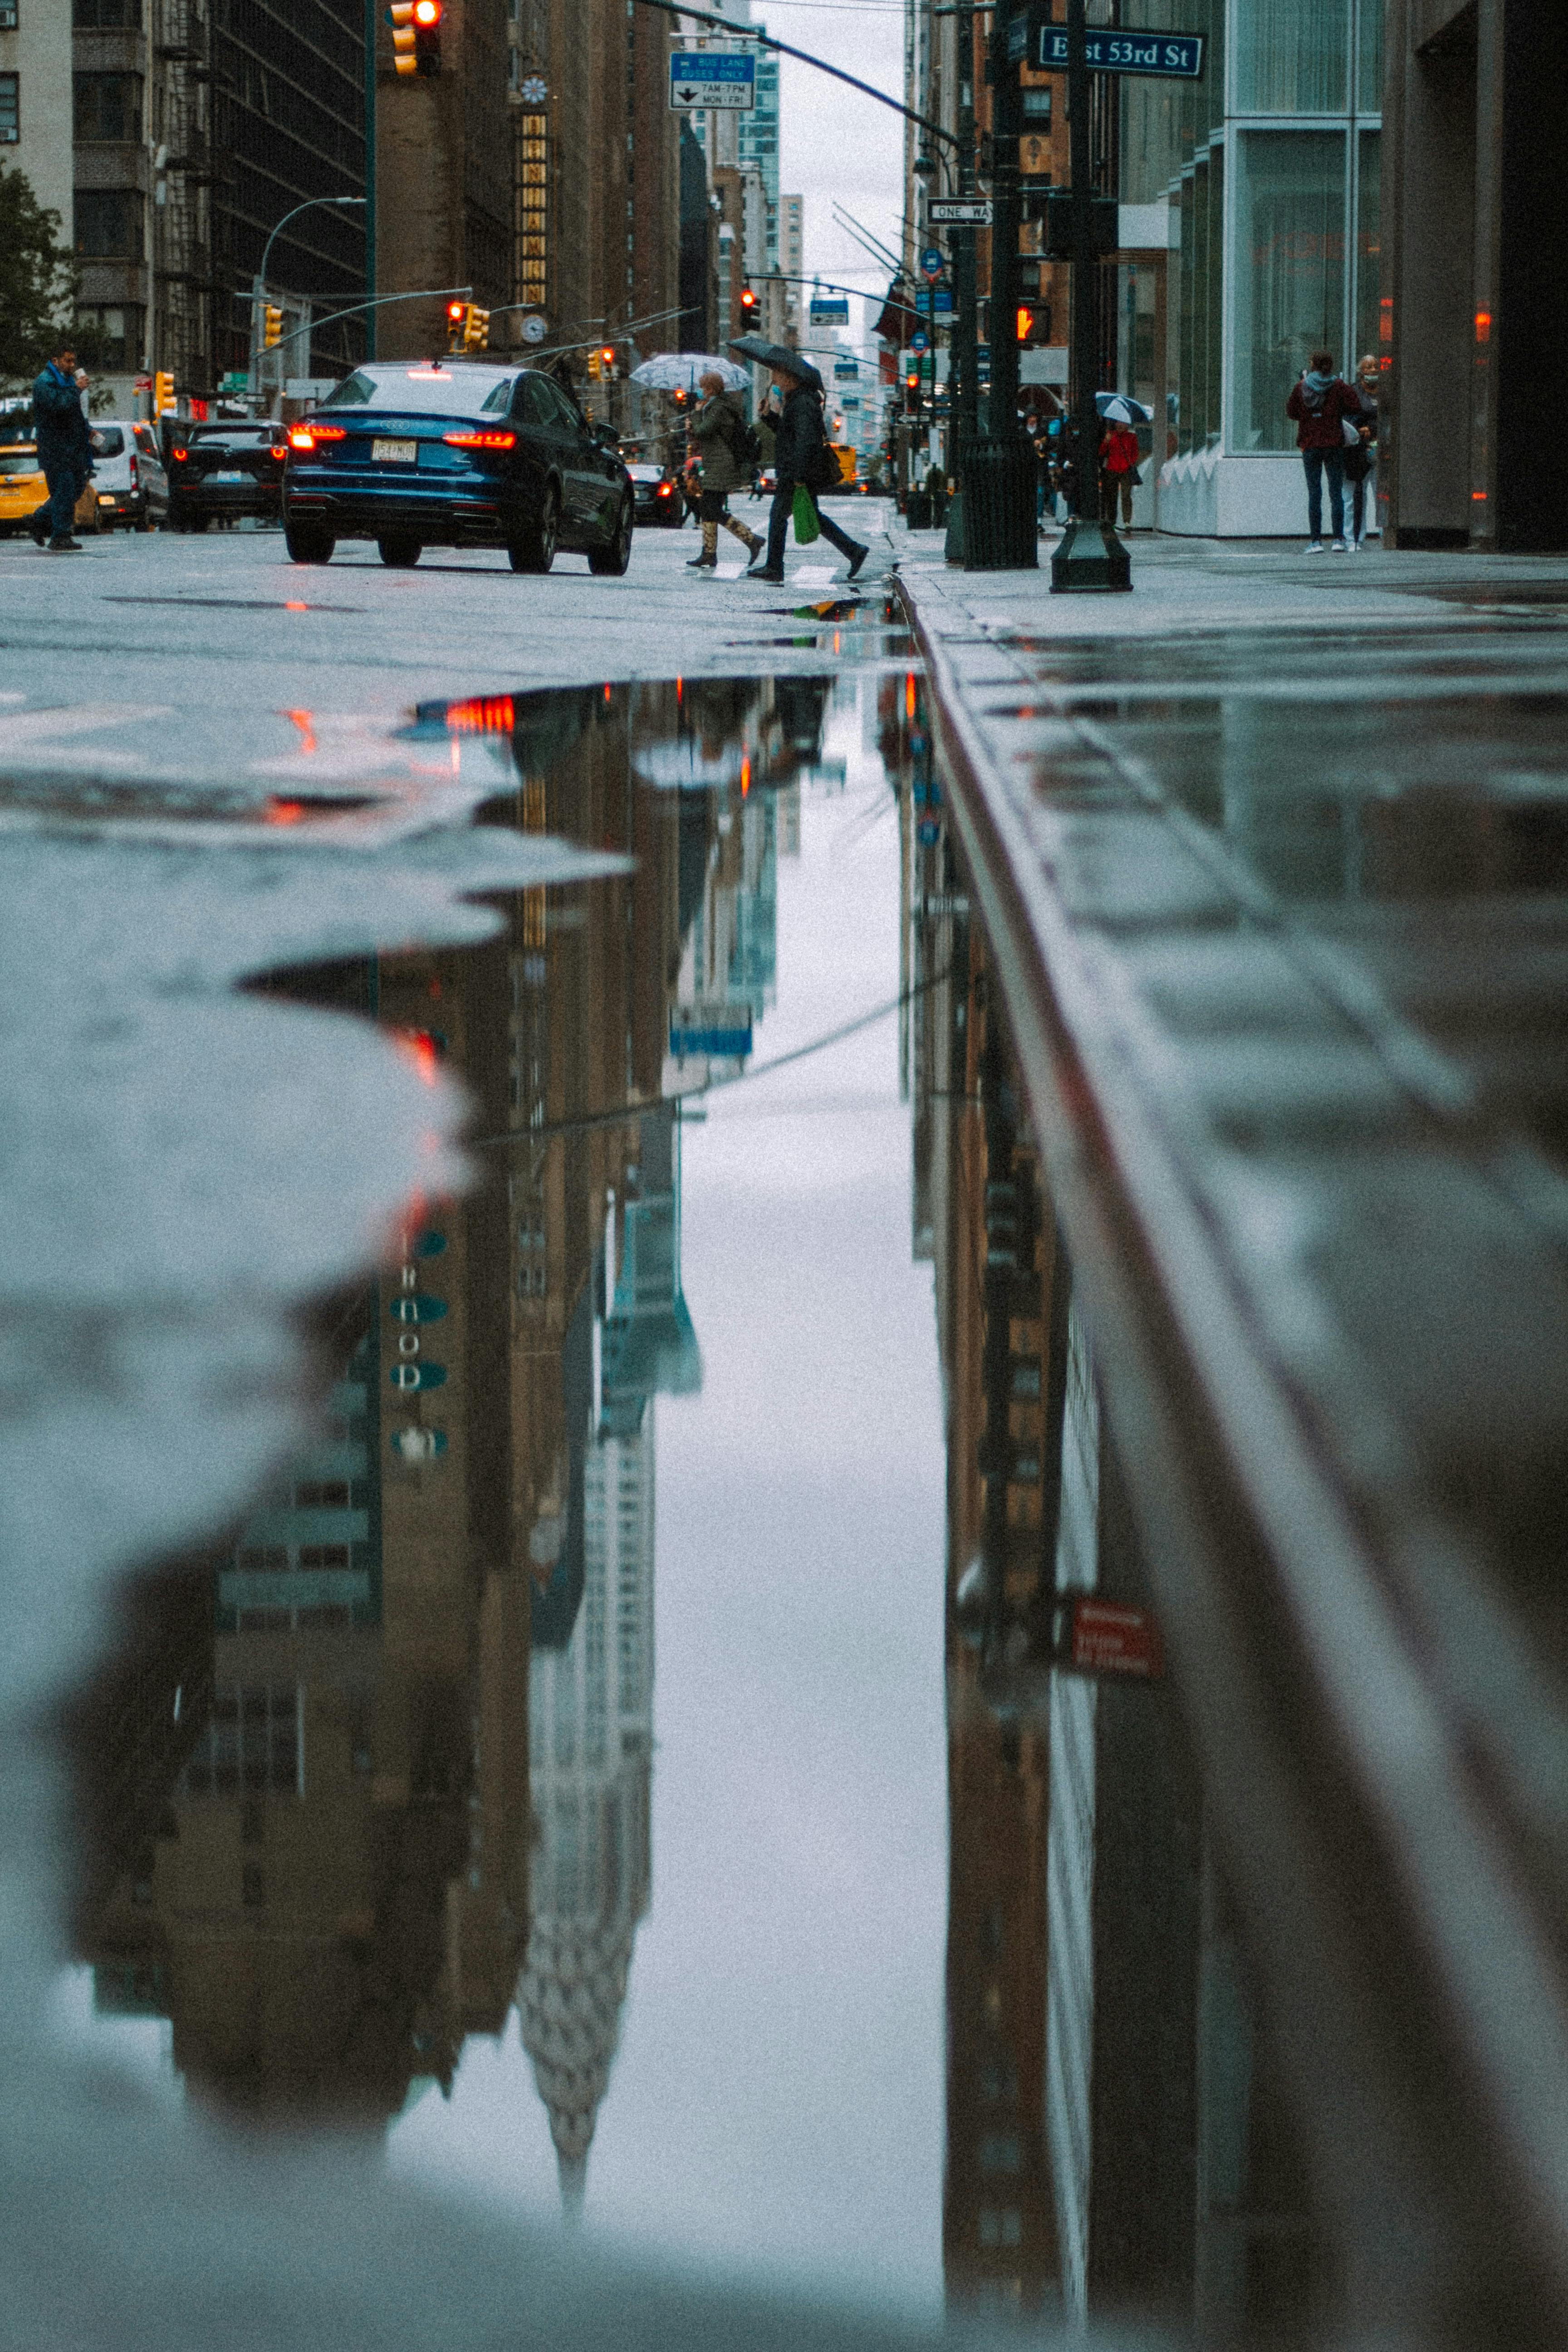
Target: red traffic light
x=456, y=311
x=426, y=11
x=608, y=356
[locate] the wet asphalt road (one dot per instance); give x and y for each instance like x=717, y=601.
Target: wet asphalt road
x=208, y=662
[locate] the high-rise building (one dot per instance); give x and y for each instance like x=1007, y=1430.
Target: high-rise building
x=446, y=169
x=1468, y=332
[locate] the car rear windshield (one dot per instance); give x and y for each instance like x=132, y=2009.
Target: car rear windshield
x=107, y=441
x=423, y=390
x=236, y=437
x=18, y=461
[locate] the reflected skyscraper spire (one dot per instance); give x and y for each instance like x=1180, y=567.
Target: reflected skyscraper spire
x=591, y=1718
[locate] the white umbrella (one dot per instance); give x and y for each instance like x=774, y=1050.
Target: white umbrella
x=678, y=372
x=681, y=763
x=1120, y=408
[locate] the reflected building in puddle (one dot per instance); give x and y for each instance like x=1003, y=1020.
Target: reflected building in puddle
x=380, y=1771
x=1117, y=2144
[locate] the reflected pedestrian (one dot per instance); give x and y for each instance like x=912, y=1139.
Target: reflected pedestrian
x=1320, y=405
x=723, y=441
x=801, y=460
x=65, y=452
x=1361, y=459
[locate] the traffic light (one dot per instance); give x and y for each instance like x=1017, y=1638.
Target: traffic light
x=608, y=362
x=162, y=391
x=416, y=36
x=912, y=389
x=748, y=307
x=457, y=318
x=271, y=327
x=476, y=328
x=595, y=366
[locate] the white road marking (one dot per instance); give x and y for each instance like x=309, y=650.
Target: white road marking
x=75, y=719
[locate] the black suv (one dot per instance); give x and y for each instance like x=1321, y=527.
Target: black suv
x=232, y=468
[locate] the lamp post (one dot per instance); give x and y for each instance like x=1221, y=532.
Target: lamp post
x=999, y=474
x=1089, y=556
x=258, y=286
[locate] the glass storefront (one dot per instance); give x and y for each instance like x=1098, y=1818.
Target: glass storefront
x=1290, y=272
x=1290, y=58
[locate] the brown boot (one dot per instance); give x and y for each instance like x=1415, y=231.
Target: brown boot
x=708, y=559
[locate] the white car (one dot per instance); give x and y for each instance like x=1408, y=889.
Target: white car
x=129, y=489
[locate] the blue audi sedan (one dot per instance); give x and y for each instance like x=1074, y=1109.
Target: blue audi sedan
x=456, y=453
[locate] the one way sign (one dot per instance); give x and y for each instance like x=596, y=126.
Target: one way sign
x=716, y=77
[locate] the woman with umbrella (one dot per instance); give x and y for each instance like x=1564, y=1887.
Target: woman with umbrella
x=1119, y=453
x=801, y=460
x=718, y=431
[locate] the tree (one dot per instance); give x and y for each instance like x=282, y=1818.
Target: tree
x=37, y=280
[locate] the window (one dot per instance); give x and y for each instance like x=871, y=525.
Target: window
x=322, y=1494
x=109, y=338
x=1290, y=272
x=108, y=223
x=7, y=15
x=107, y=441
x=1000, y=2152
x=251, y=1744
x=10, y=111
x=108, y=106
x=1000, y=2229
x=1291, y=60
x=106, y=15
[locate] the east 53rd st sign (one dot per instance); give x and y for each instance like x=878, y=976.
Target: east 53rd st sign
x=1176, y=55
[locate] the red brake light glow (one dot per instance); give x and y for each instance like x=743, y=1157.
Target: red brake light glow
x=482, y=714
x=180, y=457
x=481, y=440
x=279, y=450
x=305, y=436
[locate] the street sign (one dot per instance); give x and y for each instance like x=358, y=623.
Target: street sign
x=960, y=212
x=942, y=301
x=846, y=371
x=1177, y=56
x=830, y=310
x=712, y=78
x=933, y=261
x=920, y=341
x=1108, y=1638
x=236, y=379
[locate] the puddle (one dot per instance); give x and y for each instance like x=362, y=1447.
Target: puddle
x=235, y=603
x=512, y=1770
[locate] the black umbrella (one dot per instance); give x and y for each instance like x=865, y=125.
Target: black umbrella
x=776, y=355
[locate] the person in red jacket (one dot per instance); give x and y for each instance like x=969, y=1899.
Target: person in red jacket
x=1117, y=470
x=1320, y=403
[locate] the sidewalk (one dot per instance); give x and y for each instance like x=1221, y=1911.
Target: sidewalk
x=1272, y=859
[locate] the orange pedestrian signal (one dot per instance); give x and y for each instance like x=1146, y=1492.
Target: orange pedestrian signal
x=1025, y=322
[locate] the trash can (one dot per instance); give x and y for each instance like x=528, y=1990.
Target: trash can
x=919, y=510
x=999, y=485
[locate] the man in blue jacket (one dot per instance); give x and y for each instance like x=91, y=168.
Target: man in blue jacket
x=65, y=453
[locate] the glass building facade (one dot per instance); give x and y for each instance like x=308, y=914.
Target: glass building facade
x=1270, y=167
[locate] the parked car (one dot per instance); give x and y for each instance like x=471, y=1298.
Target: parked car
x=227, y=469
x=658, y=503
x=455, y=453
x=129, y=488
x=23, y=488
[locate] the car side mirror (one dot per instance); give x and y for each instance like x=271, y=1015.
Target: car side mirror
x=606, y=437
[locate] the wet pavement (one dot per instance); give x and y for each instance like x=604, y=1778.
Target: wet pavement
x=475, y=1423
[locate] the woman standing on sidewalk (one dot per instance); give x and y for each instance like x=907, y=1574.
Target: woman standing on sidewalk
x=1360, y=461
x=718, y=431
x=1319, y=404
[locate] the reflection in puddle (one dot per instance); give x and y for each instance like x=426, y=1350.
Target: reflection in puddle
x=367, y=1791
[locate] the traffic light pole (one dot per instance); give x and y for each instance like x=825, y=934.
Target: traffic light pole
x=1089, y=557
x=1000, y=469
x=258, y=286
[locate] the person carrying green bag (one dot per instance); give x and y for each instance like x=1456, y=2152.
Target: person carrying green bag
x=805, y=467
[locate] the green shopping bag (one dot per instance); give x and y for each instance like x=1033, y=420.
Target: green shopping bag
x=806, y=526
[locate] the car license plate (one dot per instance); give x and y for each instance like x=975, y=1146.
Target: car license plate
x=228, y=478
x=395, y=453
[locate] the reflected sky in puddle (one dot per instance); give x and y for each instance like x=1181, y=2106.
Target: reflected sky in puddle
x=546, y=1776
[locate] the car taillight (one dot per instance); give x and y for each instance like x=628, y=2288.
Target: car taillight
x=481, y=440
x=135, y=472
x=179, y=456
x=280, y=450
x=305, y=436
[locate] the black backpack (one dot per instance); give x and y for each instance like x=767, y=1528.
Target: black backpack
x=746, y=445
x=821, y=470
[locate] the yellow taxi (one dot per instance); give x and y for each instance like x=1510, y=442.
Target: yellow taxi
x=23, y=488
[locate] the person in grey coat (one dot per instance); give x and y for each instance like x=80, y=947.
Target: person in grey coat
x=65, y=452
x=715, y=431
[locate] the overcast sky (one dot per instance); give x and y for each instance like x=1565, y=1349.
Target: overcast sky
x=832, y=142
